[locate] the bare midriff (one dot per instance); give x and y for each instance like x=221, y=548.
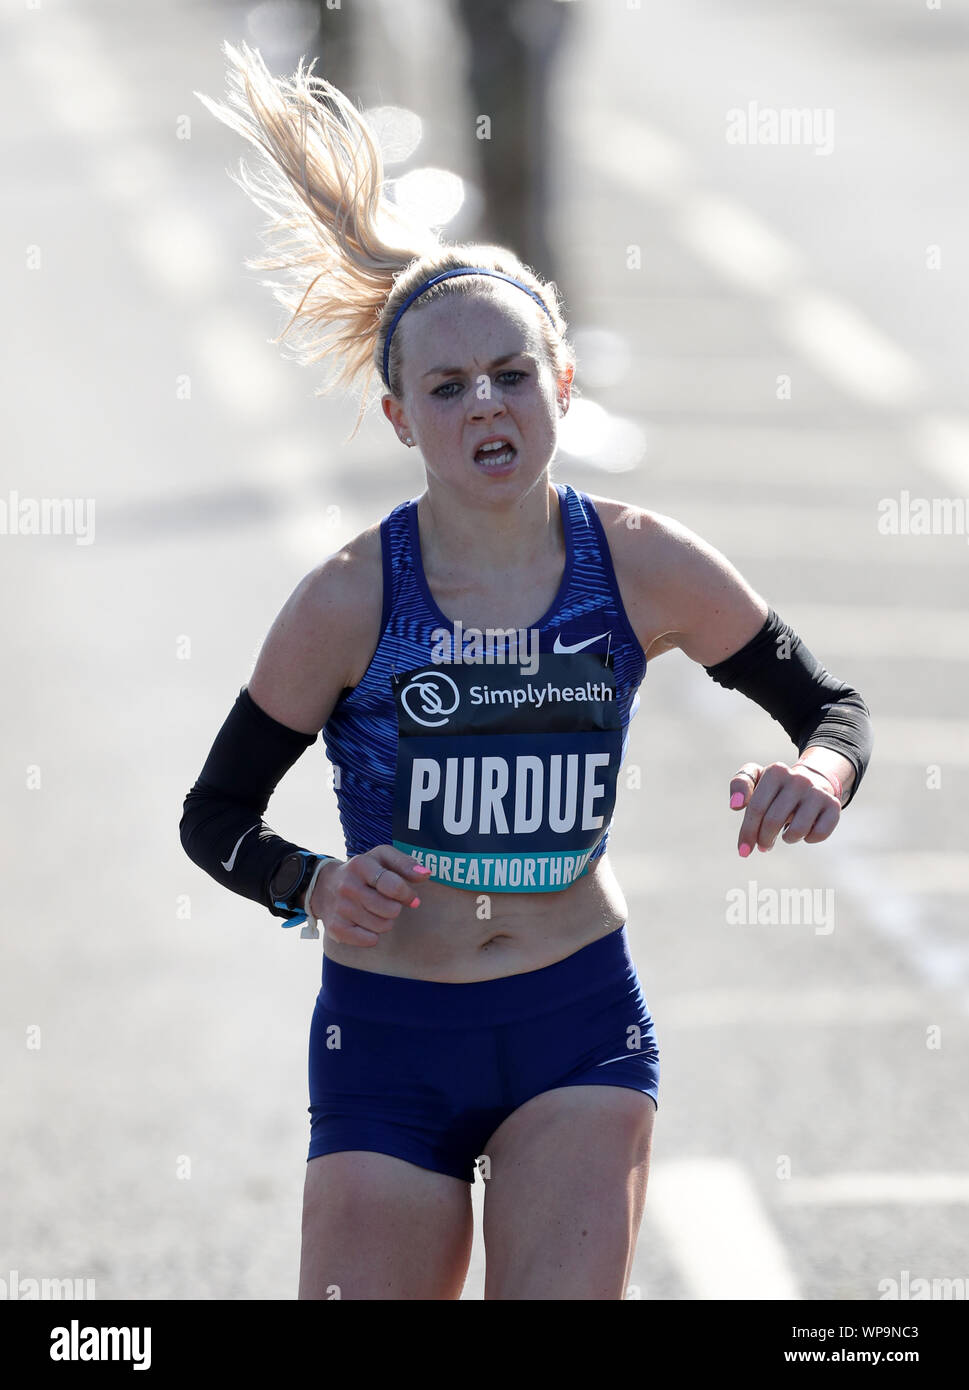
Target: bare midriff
x=459, y=935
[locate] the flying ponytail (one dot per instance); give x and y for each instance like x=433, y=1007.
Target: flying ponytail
x=349, y=252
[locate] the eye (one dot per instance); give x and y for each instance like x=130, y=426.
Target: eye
x=446, y=394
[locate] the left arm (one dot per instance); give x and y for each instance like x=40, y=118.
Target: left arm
x=679, y=591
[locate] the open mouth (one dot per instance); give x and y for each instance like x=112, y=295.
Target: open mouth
x=497, y=454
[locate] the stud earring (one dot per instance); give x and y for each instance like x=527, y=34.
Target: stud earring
x=409, y=440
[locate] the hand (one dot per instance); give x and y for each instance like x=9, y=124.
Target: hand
x=359, y=900
x=798, y=798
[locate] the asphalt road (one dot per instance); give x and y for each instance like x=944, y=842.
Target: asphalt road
x=774, y=334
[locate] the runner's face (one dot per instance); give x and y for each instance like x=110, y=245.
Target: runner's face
x=449, y=413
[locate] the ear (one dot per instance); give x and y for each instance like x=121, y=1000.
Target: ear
x=394, y=412
x=564, y=390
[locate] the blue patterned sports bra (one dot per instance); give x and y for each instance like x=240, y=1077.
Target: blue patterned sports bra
x=491, y=756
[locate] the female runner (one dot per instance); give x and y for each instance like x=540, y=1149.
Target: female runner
x=473, y=662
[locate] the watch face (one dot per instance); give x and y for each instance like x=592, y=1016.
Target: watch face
x=287, y=876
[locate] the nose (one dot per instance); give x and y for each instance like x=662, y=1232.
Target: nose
x=485, y=407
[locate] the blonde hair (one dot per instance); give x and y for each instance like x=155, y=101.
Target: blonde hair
x=351, y=255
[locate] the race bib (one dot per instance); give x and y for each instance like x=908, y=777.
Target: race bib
x=506, y=782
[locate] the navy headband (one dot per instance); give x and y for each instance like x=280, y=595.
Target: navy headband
x=436, y=280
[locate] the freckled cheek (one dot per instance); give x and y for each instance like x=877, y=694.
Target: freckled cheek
x=544, y=429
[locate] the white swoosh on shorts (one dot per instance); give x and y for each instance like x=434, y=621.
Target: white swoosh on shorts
x=560, y=646
x=227, y=864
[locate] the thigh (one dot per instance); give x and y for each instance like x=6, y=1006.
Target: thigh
x=378, y=1227
x=565, y=1193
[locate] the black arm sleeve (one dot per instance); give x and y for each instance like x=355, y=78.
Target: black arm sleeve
x=776, y=670
x=221, y=829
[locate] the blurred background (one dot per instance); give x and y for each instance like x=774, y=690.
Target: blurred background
x=757, y=212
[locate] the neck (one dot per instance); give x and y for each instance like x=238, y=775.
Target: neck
x=485, y=540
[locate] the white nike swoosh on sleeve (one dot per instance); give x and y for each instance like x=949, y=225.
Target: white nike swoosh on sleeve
x=227, y=864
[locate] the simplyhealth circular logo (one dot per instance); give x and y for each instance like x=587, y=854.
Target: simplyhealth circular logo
x=430, y=698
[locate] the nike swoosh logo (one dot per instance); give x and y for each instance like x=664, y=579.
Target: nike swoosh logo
x=560, y=646
x=227, y=864
x=614, y=1059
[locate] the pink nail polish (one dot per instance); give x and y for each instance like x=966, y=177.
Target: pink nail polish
x=421, y=869
x=736, y=800
x=415, y=903
x=744, y=851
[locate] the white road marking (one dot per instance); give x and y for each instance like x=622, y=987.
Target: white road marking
x=736, y=242
x=856, y=866
x=633, y=153
x=914, y=744
x=178, y=249
x=905, y=740
x=877, y=1189
x=802, y=458
x=308, y=525
x=301, y=527
x=718, y=1234
x=896, y=912
x=924, y=872
x=844, y=347
x=942, y=442
x=770, y=530
x=131, y=172
x=832, y=334
x=237, y=367
x=867, y=632
x=823, y=1006
x=80, y=86
x=600, y=438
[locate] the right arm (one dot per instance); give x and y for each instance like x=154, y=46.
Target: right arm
x=320, y=643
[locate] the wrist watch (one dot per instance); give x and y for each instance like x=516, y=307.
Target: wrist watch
x=290, y=882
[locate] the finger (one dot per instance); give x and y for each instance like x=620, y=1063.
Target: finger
x=356, y=914
x=403, y=864
x=781, y=810
x=803, y=820
x=803, y=796
x=376, y=878
x=347, y=934
x=824, y=825
x=807, y=819
x=374, y=900
x=356, y=903
x=392, y=886
x=768, y=785
x=742, y=785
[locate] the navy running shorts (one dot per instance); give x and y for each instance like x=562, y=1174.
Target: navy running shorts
x=426, y=1071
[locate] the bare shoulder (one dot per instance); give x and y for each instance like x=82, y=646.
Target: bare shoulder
x=677, y=588
x=323, y=637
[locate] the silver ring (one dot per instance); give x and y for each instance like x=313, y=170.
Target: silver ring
x=377, y=879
